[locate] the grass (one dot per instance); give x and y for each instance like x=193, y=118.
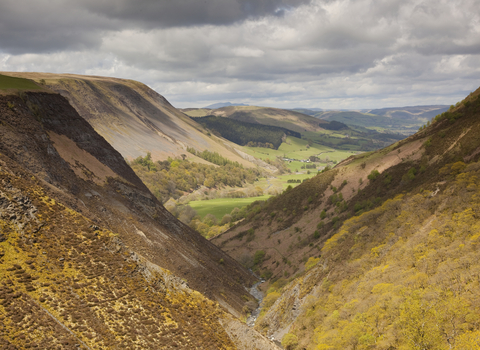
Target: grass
x=295, y=148
x=221, y=206
x=198, y=112
x=7, y=82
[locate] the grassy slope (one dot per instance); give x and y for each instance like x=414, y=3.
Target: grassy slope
x=221, y=206
x=295, y=148
x=396, y=275
x=271, y=116
x=7, y=82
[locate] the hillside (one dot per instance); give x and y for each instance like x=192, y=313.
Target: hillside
x=89, y=258
x=381, y=251
x=291, y=120
x=330, y=133
x=244, y=133
x=405, y=120
x=133, y=118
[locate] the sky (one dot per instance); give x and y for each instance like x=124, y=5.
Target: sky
x=349, y=54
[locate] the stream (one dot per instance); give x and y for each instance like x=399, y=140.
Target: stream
x=257, y=294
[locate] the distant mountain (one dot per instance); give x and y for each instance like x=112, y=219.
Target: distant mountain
x=405, y=120
x=224, y=104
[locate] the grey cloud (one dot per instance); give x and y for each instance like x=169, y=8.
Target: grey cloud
x=173, y=13
x=38, y=26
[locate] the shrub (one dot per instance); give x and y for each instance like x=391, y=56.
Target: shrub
x=388, y=179
x=258, y=257
x=373, y=175
x=289, y=341
x=250, y=234
x=311, y=262
x=410, y=175
x=270, y=299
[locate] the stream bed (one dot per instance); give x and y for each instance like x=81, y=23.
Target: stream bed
x=257, y=294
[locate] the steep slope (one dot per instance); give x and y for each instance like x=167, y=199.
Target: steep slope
x=83, y=234
x=389, y=240
x=133, y=118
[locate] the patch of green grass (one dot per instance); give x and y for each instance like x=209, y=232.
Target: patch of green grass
x=198, y=112
x=7, y=82
x=294, y=148
x=221, y=206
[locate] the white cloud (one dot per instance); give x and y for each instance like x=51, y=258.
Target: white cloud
x=247, y=52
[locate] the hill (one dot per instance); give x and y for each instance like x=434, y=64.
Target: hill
x=89, y=258
x=405, y=120
x=243, y=133
x=133, y=118
x=379, y=252
x=223, y=104
x=270, y=116
x=338, y=136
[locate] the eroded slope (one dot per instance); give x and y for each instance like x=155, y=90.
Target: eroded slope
x=45, y=136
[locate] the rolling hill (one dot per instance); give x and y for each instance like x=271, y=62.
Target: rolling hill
x=405, y=120
x=381, y=252
x=331, y=133
x=291, y=120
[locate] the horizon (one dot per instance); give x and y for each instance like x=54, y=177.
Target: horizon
x=323, y=109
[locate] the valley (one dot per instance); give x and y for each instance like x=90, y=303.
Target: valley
x=364, y=235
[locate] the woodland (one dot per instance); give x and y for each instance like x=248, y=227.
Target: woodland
x=244, y=133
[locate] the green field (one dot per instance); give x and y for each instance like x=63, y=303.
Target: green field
x=221, y=206
x=295, y=148
x=201, y=112
x=7, y=82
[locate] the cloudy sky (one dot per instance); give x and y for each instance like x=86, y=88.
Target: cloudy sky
x=282, y=53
